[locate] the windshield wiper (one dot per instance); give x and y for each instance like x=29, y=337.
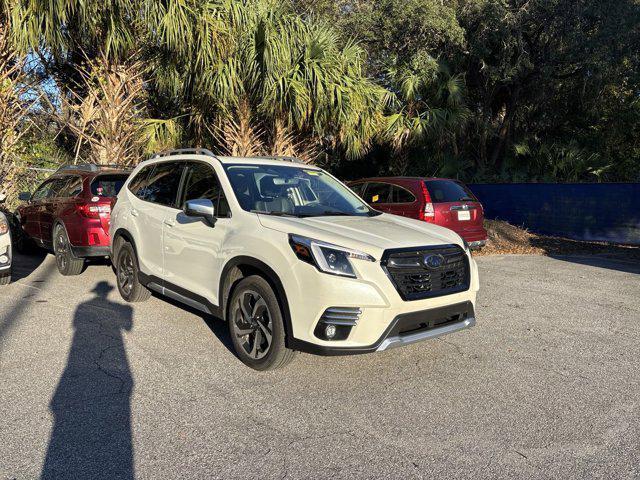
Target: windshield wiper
x=276, y=213
x=466, y=199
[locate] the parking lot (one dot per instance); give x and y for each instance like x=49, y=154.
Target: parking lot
x=546, y=386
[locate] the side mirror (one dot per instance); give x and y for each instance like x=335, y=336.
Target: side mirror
x=24, y=196
x=202, y=208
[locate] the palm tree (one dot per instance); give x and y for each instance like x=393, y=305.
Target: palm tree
x=428, y=104
x=274, y=84
x=249, y=74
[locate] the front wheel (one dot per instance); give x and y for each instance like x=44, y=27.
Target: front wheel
x=68, y=264
x=256, y=325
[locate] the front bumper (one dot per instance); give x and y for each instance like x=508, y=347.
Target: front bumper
x=405, y=329
x=5, y=251
x=373, y=295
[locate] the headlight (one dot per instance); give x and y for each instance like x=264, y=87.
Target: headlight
x=327, y=257
x=4, y=225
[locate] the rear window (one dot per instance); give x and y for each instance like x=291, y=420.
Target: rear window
x=448, y=191
x=107, y=185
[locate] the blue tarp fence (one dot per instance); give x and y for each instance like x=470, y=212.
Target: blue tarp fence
x=582, y=211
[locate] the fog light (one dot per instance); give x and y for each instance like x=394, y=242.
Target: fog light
x=330, y=331
x=4, y=259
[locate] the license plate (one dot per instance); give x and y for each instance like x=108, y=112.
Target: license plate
x=464, y=215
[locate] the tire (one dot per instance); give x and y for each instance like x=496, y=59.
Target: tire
x=254, y=313
x=5, y=278
x=68, y=264
x=126, y=265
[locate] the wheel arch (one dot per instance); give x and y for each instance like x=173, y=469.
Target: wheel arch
x=124, y=234
x=54, y=225
x=243, y=266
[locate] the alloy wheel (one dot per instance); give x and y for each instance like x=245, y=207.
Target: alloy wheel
x=126, y=275
x=61, y=248
x=252, y=324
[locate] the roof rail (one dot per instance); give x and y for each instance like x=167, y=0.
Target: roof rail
x=88, y=167
x=184, y=151
x=284, y=158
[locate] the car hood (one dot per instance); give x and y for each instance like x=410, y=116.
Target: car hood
x=372, y=235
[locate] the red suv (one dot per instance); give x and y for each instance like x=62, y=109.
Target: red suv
x=70, y=212
x=445, y=202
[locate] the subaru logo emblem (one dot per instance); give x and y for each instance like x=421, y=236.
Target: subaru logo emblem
x=433, y=261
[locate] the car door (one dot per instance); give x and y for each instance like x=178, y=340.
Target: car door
x=191, y=246
x=30, y=213
x=377, y=194
x=49, y=207
x=154, y=200
x=402, y=202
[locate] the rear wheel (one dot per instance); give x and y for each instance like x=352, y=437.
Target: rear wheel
x=256, y=325
x=68, y=264
x=127, y=270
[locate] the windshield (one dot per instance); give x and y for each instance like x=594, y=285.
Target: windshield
x=293, y=191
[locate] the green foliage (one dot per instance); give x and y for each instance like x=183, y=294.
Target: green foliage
x=491, y=90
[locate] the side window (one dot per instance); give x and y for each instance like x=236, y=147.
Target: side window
x=377, y=193
x=57, y=186
x=42, y=191
x=74, y=187
x=138, y=186
x=70, y=187
x=358, y=188
x=201, y=181
x=401, y=195
x=163, y=183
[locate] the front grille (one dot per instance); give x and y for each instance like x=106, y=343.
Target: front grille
x=416, y=274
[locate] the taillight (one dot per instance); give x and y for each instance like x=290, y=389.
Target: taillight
x=428, y=214
x=93, y=211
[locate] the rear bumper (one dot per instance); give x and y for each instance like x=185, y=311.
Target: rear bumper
x=405, y=329
x=94, y=251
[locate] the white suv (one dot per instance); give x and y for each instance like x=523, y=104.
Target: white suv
x=289, y=256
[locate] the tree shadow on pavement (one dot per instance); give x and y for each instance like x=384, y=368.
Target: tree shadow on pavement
x=91, y=436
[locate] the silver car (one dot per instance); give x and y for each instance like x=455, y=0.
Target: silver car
x=5, y=250
x=5, y=247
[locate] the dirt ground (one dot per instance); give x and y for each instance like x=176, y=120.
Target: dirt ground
x=504, y=238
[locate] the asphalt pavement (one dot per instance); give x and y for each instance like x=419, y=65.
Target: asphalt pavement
x=547, y=385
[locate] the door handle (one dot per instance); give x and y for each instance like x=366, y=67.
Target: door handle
x=134, y=212
x=169, y=223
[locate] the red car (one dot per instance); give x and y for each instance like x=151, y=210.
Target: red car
x=445, y=202
x=70, y=212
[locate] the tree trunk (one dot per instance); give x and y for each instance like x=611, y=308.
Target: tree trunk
x=498, y=153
